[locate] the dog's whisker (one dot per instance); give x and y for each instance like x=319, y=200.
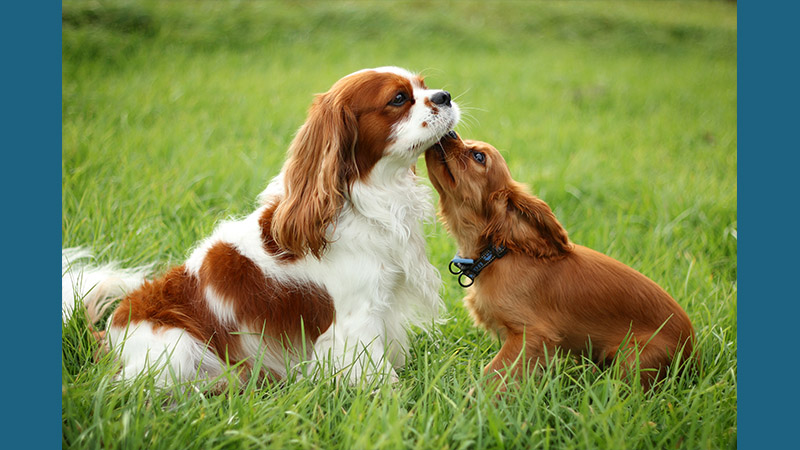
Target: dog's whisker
x=461, y=94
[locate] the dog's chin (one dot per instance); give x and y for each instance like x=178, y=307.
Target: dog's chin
x=449, y=135
x=438, y=169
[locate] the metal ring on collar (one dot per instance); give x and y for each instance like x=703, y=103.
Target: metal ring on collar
x=471, y=280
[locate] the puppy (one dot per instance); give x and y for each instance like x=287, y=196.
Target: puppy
x=330, y=267
x=533, y=287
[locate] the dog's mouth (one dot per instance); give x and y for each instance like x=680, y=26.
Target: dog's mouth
x=439, y=148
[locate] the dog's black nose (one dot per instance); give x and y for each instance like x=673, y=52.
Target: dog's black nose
x=452, y=134
x=441, y=98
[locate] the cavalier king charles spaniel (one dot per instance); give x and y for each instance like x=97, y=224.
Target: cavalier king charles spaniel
x=533, y=287
x=329, y=269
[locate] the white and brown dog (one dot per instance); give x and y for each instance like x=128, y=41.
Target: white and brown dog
x=330, y=267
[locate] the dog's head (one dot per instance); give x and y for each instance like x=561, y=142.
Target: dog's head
x=380, y=118
x=482, y=205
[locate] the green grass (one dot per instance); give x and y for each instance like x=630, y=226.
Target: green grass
x=621, y=115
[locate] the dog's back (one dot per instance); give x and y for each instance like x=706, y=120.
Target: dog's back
x=584, y=301
x=618, y=308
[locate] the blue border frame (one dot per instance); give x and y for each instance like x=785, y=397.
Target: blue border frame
x=768, y=123
x=31, y=156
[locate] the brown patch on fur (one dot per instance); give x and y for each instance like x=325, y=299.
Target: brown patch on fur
x=176, y=301
x=285, y=312
x=434, y=108
x=548, y=293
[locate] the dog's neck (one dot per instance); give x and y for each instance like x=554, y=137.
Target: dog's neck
x=377, y=199
x=466, y=230
x=470, y=229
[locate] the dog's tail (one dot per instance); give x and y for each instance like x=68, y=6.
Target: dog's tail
x=94, y=287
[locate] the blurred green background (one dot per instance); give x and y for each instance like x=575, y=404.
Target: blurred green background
x=620, y=114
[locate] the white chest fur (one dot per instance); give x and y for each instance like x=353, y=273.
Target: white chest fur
x=375, y=269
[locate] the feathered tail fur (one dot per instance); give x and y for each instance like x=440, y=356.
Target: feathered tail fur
x=92, y=286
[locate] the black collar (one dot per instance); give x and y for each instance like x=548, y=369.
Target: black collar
x=471, y=268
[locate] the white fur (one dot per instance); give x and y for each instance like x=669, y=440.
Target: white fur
x=84, y=283
x=375, y=269
x=220, y=307
x=169, y=354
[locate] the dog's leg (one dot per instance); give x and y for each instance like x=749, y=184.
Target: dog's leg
x=651, y=358
x=653, y=361
x=169, y=354
x=511, y=361
x=357, y=354
x=520, y=354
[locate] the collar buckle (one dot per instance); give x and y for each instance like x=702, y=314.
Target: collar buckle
x=469, y=268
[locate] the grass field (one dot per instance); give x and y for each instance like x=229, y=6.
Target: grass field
x=621, y=115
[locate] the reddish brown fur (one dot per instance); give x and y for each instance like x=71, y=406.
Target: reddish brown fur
x=345, y=134
x=548, y=293
x=270, y=246
x=259, y=301
x=170, y=301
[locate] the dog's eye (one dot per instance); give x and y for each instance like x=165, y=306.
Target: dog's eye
x=480, y=157
x=399, y=99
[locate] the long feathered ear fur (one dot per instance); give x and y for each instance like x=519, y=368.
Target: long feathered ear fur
x=523, y=222
x=315, y=177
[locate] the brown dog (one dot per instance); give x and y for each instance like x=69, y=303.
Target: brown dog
x=533, y=287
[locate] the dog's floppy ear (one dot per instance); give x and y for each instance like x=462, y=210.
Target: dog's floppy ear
x=523, y=222
x=314, y=177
